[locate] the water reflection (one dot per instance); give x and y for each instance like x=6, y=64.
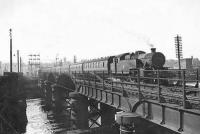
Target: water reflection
x=43, y=120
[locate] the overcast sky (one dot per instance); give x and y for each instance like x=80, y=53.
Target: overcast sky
x=96, y=28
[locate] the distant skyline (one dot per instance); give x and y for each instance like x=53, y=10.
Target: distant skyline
x=96, y=28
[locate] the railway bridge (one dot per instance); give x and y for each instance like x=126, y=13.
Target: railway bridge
x=136, y=103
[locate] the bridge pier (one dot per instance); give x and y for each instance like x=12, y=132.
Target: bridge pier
x=59, y=96
x=127, y=122
x=108, y=114
x=48, y=93
x=79, y=111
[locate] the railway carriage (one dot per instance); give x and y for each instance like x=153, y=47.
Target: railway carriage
x=98, y=65
x=76, y=67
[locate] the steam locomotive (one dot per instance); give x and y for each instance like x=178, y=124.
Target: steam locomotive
x=125, y=63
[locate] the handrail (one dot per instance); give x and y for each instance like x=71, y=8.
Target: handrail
x=156, y=76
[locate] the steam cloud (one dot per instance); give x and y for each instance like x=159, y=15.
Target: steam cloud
x=151, y=45
x=140, y=37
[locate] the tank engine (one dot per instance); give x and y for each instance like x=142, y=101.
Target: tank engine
x=153, y=60
x=138, y=60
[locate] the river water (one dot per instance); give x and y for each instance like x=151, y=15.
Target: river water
x=44, y=121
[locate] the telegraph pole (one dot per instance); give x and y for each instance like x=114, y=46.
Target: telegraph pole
x=178, y=45
x=34, y=63
x=179, y=55
x=20, y=64
x=10, y=50
x=18, y=61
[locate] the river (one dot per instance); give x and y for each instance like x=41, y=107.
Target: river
x=44, y=121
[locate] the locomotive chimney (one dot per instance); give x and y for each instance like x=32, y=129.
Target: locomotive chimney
x=153, y=50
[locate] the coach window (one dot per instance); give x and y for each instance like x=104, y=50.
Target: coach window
x=103, y=64
x=106, y=64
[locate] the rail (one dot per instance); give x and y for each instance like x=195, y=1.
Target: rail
x=148, y=88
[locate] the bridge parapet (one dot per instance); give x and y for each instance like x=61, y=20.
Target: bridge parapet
x=173, y=107
x=167, y=109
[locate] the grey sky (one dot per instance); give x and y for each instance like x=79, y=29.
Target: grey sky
x=95, y=28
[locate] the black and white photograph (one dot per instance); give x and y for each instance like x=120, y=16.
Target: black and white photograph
x=99, y=67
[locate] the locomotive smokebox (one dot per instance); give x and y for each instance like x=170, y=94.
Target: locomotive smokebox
x=153, y=50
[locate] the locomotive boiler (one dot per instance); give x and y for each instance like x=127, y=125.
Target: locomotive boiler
x=153, y=60
x=125, y=63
